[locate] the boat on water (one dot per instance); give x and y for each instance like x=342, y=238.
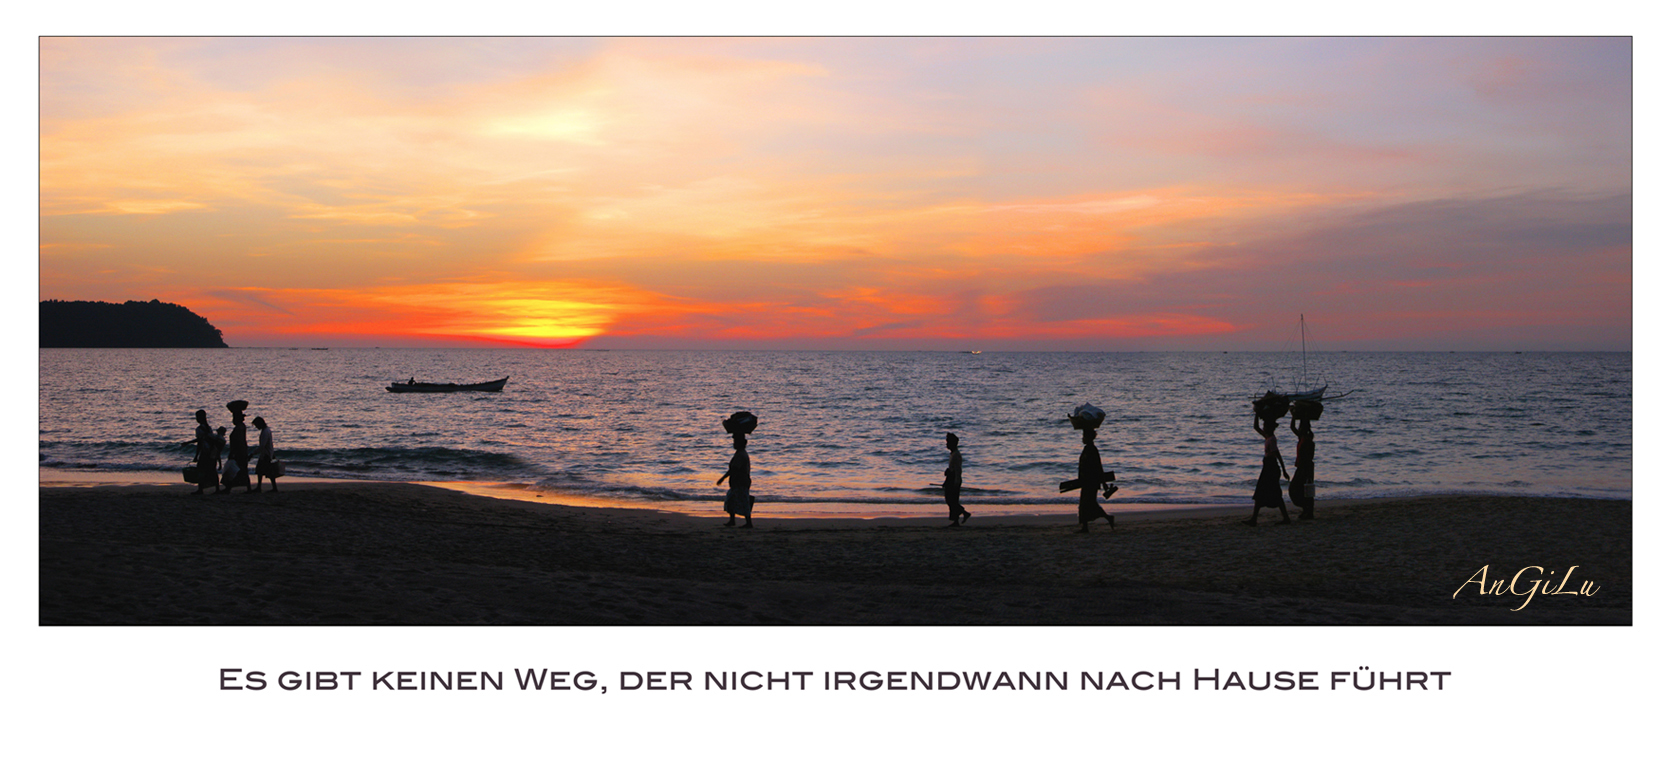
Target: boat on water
x=1276, y=402
x=413, y=386
x=1314, y=395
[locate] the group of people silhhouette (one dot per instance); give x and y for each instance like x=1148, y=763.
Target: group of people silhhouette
x=235, y=471
x=1091, y=479
x=1269, y=491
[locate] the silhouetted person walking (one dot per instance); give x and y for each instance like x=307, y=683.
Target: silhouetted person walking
x=238, y=455
x=1091, y=468
x=1269, y=490
x=1091, y=475
x=264, y=455
x=220, y=449
x=955, y=482
x=738, y=499
x=208, y=457
x=1301, y=483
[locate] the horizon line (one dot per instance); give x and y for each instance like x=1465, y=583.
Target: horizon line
x=817, y=350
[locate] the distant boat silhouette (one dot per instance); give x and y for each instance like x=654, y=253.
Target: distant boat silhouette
x=413, y=386
x=1272, y=398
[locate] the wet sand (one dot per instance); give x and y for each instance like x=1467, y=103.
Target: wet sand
x=386, y=553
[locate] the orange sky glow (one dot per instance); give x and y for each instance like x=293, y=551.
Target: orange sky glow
x=1102, y=194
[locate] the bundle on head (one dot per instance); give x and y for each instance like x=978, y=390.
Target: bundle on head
x=1308, y=409
x=1272, y=406
x=1086, y=417
x=739, y=423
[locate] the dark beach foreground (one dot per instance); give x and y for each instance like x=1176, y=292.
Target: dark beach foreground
x=374, y=553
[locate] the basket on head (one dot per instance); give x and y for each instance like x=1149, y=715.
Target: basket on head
x=1307, y=409
x=1086, y=417
x=1272, y=406
x=238, y=405
x=739, y=423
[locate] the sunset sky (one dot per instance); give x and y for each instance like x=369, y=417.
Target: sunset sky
x=853, y=193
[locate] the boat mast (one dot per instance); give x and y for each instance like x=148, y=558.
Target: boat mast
x=1304, y=380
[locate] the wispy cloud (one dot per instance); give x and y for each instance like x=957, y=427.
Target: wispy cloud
x=826, y=189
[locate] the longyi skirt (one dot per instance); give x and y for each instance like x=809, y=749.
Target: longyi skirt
x=1269, y=490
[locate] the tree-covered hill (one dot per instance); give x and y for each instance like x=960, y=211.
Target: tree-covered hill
x=133, y=324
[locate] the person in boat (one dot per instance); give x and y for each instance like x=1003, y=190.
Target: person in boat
x=412, y=381
x=738, y=499
x=955, y=482
x=237, y=471
x=1301, y=481
x=1269, y=491
x=1091, y=470
x=264, y=455
x=208, y=456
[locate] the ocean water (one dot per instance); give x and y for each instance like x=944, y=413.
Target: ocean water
x=859, y=428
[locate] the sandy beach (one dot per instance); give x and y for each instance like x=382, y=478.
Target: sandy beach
x=322, y=553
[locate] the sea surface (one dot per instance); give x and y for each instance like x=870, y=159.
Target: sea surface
x=846, y=430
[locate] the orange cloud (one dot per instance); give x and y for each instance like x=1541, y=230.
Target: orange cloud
x=543, y=192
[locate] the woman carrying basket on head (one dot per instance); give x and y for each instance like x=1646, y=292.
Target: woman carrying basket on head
x=738, y=499
x=1301, y=482
x=1269, y=491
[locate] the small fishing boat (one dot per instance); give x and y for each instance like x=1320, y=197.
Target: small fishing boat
x=1276, y=402
x=413, y=386
x=1308, y=396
